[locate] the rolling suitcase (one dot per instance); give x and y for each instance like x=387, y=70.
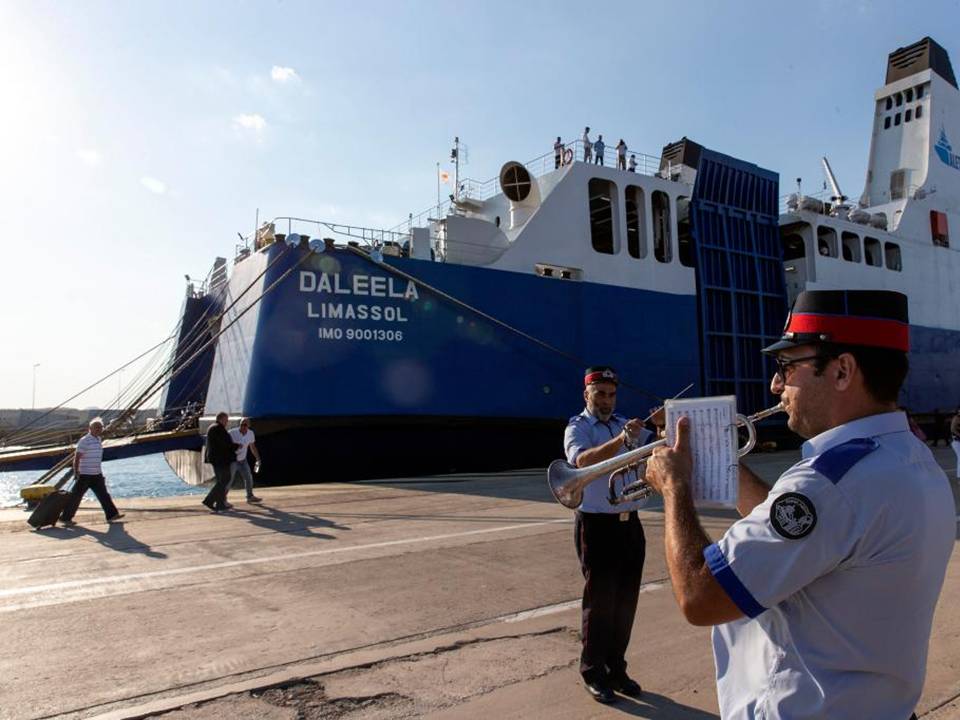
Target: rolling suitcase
x=49, y=509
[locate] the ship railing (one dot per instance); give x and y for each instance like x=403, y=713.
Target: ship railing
x=907, y=193
x=374, y=237
x=470, y=189
x=822, y=196
x=423, y=218
x=646, y=164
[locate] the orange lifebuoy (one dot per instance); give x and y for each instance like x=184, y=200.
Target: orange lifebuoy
x=567, y=156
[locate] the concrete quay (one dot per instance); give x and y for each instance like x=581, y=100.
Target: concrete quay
x=447, y=597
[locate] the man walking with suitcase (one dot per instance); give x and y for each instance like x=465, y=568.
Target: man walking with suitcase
x=87, y=462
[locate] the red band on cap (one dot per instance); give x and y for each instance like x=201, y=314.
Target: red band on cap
x=599, y=377
x=872, y=332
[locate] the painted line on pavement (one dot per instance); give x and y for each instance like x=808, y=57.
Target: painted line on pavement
x=112, y=579
x=560, y=607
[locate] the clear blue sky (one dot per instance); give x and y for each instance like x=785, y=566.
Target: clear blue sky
x=137, y=138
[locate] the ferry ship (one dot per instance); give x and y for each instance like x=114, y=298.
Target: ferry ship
x=457, y=340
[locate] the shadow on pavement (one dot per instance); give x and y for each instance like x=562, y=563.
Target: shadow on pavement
x=270, y=518
x=660, y=707
x=116, y=537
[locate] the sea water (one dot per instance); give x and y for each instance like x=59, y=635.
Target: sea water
x=146, y=476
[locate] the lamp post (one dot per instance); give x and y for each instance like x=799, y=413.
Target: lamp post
x=34, y=405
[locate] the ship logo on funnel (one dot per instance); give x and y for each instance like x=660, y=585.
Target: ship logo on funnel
x=945, y=151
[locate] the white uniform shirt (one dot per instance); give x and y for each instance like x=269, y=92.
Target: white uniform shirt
x=585, y=431
x=91, y=454
x=244, y=440
x=838, y=572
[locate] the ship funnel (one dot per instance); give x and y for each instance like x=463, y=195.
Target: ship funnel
x=915, y=122
x=522, y=190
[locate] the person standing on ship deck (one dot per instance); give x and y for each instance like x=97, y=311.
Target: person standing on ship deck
x=87, y=467
x=632, y=167
x=221, y=453
x=587, y=145
x=609, y=540
x=245, y=438
x=557, y=153
x=598, y=149
x=621, y=155
x=806, y=591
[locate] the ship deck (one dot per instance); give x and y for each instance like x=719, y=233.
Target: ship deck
x=441, y=597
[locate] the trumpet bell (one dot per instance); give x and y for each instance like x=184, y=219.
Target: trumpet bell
x=562, y=481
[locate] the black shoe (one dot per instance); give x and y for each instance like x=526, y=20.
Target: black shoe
x=627, y=686
x=600, y=692
x=210, y=505
x=118, y=516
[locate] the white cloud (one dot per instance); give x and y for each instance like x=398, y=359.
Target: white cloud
x=250, y=121
x=89, y=156
x=153, y=185
x=284, y=74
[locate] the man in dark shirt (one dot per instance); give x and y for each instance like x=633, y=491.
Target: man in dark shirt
x=220, y=452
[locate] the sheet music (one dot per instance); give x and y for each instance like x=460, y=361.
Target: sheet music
x=713, y=442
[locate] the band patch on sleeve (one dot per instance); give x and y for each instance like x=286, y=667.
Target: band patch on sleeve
x=793, y=516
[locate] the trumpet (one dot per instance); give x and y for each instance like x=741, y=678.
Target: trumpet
x=567, y=482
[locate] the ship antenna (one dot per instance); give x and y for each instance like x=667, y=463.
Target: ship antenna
x=455, y=159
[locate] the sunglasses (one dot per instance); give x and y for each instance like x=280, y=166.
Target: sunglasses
x=783, y=365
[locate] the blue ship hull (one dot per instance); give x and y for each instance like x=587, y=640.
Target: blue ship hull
x=434, y=385
x=354, y=367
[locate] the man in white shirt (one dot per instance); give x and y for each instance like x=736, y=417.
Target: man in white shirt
x=587, y=145
x=87, y=462
x=822, y=595
x=244, y=437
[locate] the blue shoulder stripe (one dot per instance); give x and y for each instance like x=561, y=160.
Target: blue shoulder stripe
x=837, y=461
x=730, y=583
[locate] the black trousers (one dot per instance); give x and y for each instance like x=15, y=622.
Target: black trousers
x=611, y=553
x=98, y=484
x=217, y=497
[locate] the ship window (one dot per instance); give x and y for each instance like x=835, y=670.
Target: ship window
x=662, y=245
x=907, y=115
x=919, y=91
x=601, y=215
x=685, y=251
x=908, y=95
x=872, y=253
x=636, y=222
x=793, y=247
x=892, y=253
x=938, y=229
x=851, y=247
x=899, y=99
x=896, y=119
x=919, y=113
x=886, y=123
x=827, y=241
x=889, y=103
x=515, y=181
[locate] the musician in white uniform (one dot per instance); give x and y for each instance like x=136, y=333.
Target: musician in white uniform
x=822, y=596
